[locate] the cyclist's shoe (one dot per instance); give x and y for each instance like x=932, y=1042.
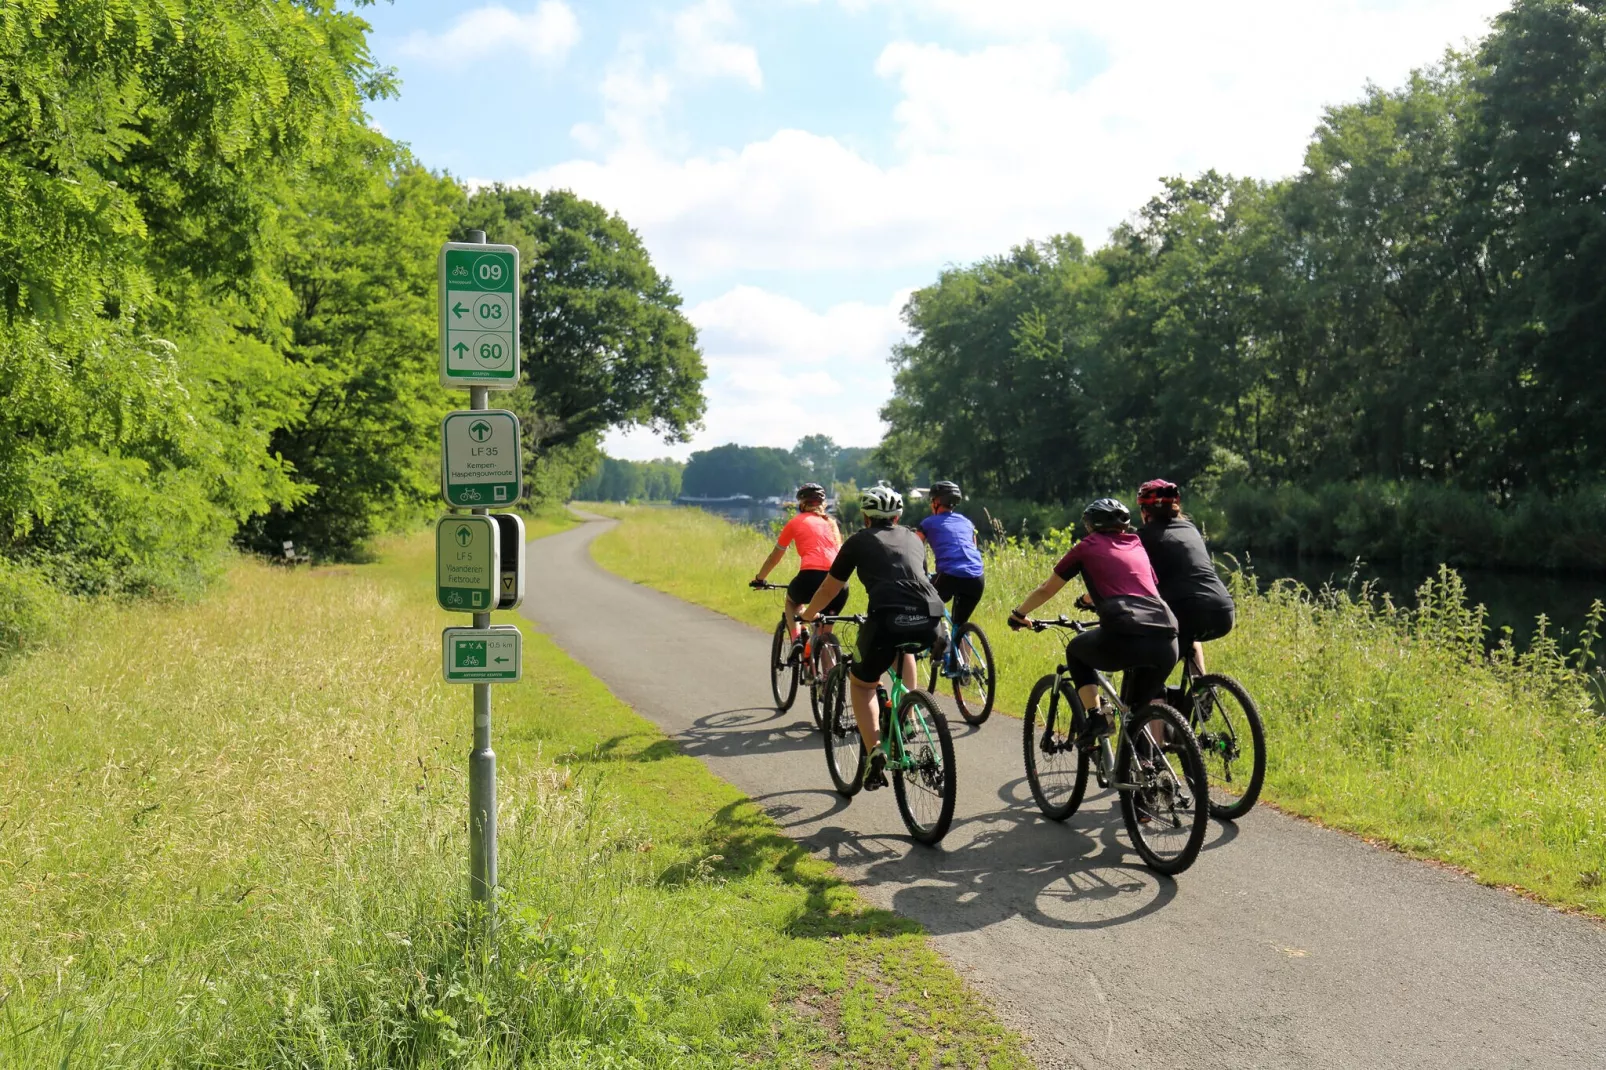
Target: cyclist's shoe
x=799, y=646
x=1095, y=723
x=876, y=775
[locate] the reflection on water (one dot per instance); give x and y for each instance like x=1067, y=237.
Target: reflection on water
x=754, y=512
x=1514, y=600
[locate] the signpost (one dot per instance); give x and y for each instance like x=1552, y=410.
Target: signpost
x=511, y=592
x=482, y=655
x=479, y=315
x=480, y=462
x=479, y=559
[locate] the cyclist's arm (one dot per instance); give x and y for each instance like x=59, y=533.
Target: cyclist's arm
x=1046, y=590
x=769, y=563
x=829, y=588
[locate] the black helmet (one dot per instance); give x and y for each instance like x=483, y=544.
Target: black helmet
x=1106, y=514
x=946, y=492
x=810, y=490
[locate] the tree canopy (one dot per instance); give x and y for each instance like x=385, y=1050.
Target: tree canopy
x=1422, y=303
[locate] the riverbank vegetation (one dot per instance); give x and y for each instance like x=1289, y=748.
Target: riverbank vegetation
x=251, y=851
x=217, y=303
x=1392, y=725
x=1394, y=353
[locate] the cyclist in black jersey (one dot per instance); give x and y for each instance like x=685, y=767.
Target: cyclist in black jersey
x=1188, y=579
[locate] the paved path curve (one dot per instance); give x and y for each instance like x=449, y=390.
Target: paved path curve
x=1284, y=946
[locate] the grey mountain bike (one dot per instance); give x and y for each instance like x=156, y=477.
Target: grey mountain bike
x=1149, y=756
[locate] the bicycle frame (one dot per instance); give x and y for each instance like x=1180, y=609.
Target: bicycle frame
x=1108, y=744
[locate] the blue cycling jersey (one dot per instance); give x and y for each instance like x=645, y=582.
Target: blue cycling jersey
x=952, y=538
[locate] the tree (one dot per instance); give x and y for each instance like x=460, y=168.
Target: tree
x=604, y=342
x=725, y=471
x=817, y=455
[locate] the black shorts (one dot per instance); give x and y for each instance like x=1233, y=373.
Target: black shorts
x=879, y=642
x=1146, y=661
x=965, y=591
x=803, y=586
x=1203, y=625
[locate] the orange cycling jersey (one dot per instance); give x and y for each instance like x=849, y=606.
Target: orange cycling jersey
x=815, y=536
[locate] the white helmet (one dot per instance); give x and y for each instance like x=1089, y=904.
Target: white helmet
x=880, y=502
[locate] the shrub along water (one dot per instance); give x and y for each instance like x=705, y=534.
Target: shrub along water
x=1391, y=724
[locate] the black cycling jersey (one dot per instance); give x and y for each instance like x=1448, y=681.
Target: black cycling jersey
x=1188, y=581
x=891, y=563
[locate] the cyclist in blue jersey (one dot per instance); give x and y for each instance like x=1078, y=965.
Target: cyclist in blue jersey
x=952, y=537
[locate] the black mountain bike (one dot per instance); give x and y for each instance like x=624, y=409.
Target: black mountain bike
x=1149, y=756
x=915, y=739
x=788, y=669
x=1226, y=722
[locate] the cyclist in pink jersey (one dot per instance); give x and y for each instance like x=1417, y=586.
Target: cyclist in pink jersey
x=816, y=537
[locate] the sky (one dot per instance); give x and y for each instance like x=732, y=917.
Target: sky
x=798, y=167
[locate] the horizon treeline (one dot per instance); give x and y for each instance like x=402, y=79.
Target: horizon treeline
x=1422, y=306
x=217, y=302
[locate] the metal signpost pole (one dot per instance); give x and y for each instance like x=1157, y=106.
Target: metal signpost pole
x=482, y=759
x=478, y=315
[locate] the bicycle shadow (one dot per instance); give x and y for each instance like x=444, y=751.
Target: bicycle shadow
x=749, y=730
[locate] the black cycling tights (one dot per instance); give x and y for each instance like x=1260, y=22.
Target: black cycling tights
x=966, y=592
x=1146, y=659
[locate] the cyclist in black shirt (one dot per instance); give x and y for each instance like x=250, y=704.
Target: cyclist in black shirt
x=904, y=607
x=1188, y=580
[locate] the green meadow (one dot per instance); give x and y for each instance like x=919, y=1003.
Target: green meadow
x=233, y=834
x=1394, y=726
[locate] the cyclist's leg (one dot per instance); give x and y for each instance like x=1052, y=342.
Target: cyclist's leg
x=792, y=625
x=833, y=608
x=872, y=659
x=967, y=596
x=910, y=681
x=799, y=592
x=1084, y=654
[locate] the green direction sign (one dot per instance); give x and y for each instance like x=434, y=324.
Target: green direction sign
x=479, y=315
x=482, y=655
x=467, y=563
x=480, y=463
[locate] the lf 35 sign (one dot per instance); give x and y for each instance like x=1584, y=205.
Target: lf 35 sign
x=480, y=458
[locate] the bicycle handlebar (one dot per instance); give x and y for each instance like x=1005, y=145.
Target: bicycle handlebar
x=1062, y=621
x=766, y=586
x=851, y=618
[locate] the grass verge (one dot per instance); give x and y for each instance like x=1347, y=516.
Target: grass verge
x=1392, y=726
x=233, y=835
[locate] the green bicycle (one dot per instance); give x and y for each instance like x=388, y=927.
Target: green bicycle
x=918, y=746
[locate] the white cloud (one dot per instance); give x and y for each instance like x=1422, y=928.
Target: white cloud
x=546, y=33
x=779, y=371
x=1020, y=139
x=701, y=48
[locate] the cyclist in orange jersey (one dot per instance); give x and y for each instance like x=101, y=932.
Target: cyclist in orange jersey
x=817, y=539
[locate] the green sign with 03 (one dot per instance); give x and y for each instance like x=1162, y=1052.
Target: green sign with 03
x=479, y=315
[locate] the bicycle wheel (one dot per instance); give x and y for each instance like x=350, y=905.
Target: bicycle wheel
x=844, y=747
x=827, y=652
x=976, y=682
x=1164, y=792
x=923, y=775
x=783, y=669
x=1056, y=768
x=1227, y=724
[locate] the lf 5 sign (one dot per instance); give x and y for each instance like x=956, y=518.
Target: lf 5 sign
x=479, y=315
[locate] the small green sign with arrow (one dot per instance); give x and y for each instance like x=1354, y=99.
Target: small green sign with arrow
x=467, y=563
x=480, y=459
x=492, y=655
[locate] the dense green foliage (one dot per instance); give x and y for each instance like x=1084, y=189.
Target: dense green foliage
x=631, y=481
x=217, y=290
x=604, y=341
x=1418, y=312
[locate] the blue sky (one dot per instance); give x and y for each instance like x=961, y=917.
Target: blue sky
x=798, y=166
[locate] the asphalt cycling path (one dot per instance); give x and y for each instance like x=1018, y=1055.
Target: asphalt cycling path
x=1285, y=945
